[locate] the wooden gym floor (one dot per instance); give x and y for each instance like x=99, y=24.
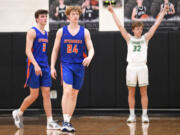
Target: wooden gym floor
x=94, y=125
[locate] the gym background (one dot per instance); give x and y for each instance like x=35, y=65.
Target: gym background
x=104, y=86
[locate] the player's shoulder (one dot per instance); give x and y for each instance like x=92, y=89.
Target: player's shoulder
x=59, y=32
x=31, y=32
x=86, y=31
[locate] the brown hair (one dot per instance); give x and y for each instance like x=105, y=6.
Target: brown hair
x=39, y=12
x=73, y=8
x=137, y=24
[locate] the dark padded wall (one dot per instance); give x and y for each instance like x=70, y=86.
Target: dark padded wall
x=105, y=82
x=6, y=70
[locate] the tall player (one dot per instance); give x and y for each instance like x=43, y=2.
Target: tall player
x=71, y=41
x=38, y=71
x=137, y=56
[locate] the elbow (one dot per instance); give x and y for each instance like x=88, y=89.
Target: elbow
x=26, y=51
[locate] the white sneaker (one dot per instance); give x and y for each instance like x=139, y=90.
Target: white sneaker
x=145, y=119
x=132, y=118
x=53, y=125
x=18, y=120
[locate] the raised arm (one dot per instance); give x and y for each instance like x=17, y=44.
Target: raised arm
x=123, y=31
x=90, y=48
x=153, y=29
x=31, y=35
x=55, y=52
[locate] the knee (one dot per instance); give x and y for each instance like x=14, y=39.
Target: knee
x=46, y=95
x=34, y=96
x=68, y=93
x=74, y=94
x=143, y=94
x=131, y=93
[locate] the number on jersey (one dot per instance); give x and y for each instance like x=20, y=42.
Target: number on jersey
x=44, y=47
x=137, y=48
x=71, y=49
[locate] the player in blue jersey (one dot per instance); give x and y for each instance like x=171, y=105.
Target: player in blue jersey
x=38, y=71
x=71, y=40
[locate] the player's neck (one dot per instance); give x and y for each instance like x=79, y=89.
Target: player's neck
x=73, y=25
x=139, y=5
x=136, y=36
x=40, y=27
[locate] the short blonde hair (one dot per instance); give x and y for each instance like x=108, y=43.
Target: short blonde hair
x=73, y=8
x=137, y=24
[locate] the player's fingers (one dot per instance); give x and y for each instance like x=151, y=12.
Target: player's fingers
x=55, y=75
x=84, y=61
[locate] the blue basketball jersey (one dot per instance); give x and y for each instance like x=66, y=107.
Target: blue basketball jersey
x=39, y=47
x=73, y=48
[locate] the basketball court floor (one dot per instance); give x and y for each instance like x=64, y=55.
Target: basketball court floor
x=94, y=125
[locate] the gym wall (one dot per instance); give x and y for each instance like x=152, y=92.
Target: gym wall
x=104, y=84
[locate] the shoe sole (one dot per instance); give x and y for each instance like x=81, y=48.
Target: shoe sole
x=66, y=130
x=129, y=121
x=145, y=121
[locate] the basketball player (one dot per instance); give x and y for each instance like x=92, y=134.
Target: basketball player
x=89, y=10
x=171, y=12
x=137, y=56
x=71, y=41
x=60, y=10
x=138, y=11
x=38, y=71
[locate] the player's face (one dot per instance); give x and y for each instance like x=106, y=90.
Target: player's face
x=138, y=31
x=42, y=19
x=139, y=1
x=74, y=16
x=87, y=2
x=61, y=1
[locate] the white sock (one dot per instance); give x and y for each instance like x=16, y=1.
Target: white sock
x=144, y=112
x=20, y=113
x=132, y=112
x=66, y=118
x=49, y=119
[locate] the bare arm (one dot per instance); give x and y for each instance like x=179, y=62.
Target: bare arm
x=55, y=52
x=123, y=31
x=153, y=29
x=90, y=48
x=56, y=13
x=31, y=35
x=173, y=10
x=133, y=16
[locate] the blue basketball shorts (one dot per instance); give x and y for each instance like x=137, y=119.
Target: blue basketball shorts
x=34, y=81
x=73, y=74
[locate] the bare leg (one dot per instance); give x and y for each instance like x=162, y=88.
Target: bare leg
x=144, y=97
x=66, y=98
x=69, y=99
x=73, y=101
x=131, y=97
x=34, y=93
x=46, y=101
